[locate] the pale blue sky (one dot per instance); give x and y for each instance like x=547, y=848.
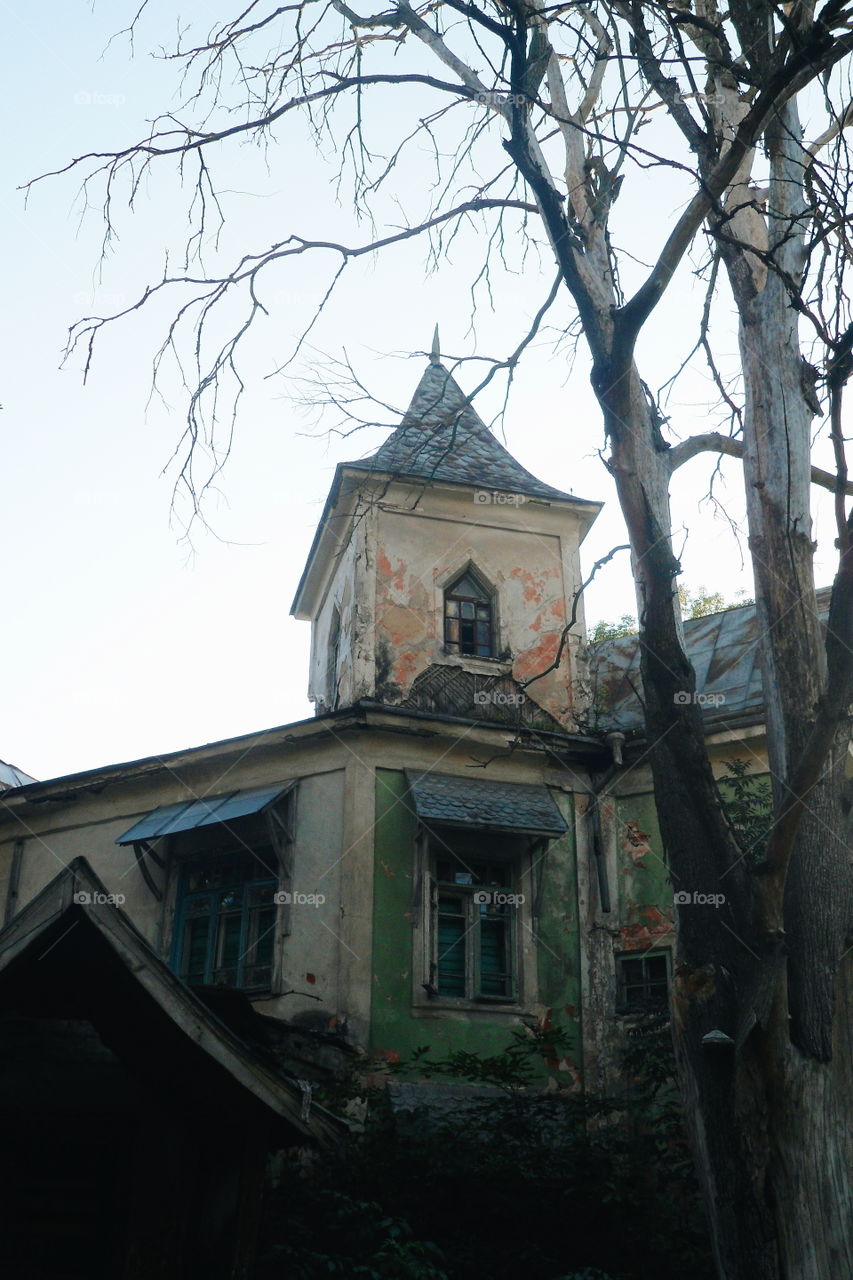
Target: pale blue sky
x=120, y=643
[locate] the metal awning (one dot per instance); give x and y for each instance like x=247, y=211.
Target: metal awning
x=204, y=812
x=471, y=802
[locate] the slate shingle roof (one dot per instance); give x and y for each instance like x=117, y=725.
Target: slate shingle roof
x=509, y=806
x=441, y=437
x=452, y=691
x=723, y=648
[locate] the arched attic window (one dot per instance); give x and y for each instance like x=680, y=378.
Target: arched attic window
x=469, y=623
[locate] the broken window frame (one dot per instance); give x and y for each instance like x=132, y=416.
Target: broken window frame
x=254, y=907
x=439, y=850
x=268, y=836
x=481, y=604
x=626, y=1005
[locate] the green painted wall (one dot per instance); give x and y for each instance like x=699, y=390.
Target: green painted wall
x=394, y=1027
x=644, y=891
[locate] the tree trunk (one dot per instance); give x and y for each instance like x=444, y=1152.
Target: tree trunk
x=804, y=1053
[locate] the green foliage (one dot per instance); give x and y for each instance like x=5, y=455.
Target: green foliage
x=694, y=604
x=319, y=1231
x=626, y=626
x=749, y=805
x=549, y=1186
x=699, y=603
x=516, y=1068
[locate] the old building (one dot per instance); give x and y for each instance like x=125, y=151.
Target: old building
x=462, y=840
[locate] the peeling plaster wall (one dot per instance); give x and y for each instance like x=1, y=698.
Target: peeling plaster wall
x=401, y=1021
x=641, y=919
x=528, y=554
x=309, y=954
x=350, y=591
x=642, y=896
x=351, y=965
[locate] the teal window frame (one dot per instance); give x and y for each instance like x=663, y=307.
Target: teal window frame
x=256, y=908
x=458, y=969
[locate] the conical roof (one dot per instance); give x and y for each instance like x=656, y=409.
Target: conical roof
x=441, y=437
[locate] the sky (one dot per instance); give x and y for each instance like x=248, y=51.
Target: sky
x=125, y=639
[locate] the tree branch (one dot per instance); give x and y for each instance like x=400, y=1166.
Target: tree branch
x=714, y=442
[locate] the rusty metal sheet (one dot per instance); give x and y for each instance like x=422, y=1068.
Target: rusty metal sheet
x=723, y=648
x=172, y=818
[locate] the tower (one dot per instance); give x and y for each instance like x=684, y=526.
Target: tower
x=441, y=563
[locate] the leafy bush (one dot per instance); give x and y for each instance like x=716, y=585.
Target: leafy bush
x=749, y=805
x=519, y=1183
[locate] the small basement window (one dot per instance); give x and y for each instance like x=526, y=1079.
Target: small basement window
x=643, y=982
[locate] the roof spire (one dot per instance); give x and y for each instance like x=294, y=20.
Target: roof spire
x=435, y=354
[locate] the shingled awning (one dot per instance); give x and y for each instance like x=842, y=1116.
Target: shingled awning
x=472, y=802
x=203, y=812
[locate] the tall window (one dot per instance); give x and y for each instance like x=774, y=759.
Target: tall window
x=332, y=654
x=473, y=946
x=226, y=921
x=468, y=617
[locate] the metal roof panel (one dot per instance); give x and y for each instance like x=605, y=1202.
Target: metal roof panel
x=203, y=812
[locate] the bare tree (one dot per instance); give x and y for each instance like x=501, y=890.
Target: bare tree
x=554, y=110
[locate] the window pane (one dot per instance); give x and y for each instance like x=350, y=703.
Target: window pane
x=196, y=935
x=468, y=586
x=468, y=604
x=228, y=950
x=260, y=936
x=643, y=983
x=493, y=955
x=228, y=931
x=451, y=947
x=261, y=894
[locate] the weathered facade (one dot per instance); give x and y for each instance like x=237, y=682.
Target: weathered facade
x=445, y=852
